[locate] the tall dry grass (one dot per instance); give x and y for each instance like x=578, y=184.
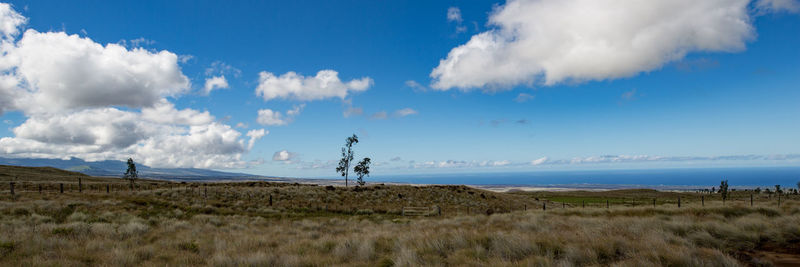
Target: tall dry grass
x=168, y=227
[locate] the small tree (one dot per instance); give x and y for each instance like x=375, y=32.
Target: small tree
x=362, y=169
x=723, y=189
x=778, y=189
x=347, y=157
x=131, y=174
x=758, y=190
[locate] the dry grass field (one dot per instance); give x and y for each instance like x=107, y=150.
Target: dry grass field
x=233, y=224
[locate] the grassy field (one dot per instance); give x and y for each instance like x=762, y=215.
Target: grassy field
x=233, y=224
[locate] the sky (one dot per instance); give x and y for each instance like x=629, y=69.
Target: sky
x=275, y=87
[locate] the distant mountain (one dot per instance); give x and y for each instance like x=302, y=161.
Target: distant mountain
x=113, y=168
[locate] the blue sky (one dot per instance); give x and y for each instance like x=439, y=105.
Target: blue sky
x=729, y=98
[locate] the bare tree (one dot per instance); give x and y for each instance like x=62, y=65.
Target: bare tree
x=131, y=174
x=347, y=157
x=362, y=169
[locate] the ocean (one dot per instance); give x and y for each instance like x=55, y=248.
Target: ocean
x=649, y=178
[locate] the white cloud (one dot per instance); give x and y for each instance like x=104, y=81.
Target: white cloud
x=415, y=85
x=270, y=117
x=110, y=133
x=459, y=164
x=70, y=88
x=553, y=41
x=216, y=82
x=777, y=6
x=523, y=97
x=10, y=21
x=405, y=112
x=454, y=14
x=275, y=118
x=63, y=71
x=254, y=136
x=539, y=161
x=326, y=84
x=165, y=112
x=283, y=155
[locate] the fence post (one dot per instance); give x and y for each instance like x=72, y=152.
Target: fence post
x=607, y=205
x=564, y=205
x=80, y=185
x=779, y=199
x=62, y=187
x=526, y=207
x=679, y=202
x=583, y=204
x=544, y=206
x=40, y=189
x=703, y=200
x=12, y=191
x=654, y=202
x=751, y=200
x=270, y=203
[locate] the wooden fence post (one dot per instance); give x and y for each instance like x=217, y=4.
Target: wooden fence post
x=12, y=191
x=62, y=187
x=563, y=205
x=607, y=205
x=654, y=202
x=544, y=206
x=40, y=189
x=583, y=204
x=679, y=202
x=751, y=200
x=270, y=199
x=108, y=189
x=703, y=200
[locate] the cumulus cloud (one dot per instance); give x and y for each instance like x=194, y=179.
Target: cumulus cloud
x=165, y=112
x=71, y=90
x=276, y=118
x=254, y=136
x=326, y=84
x=110, y=133
x=553, y=41
x=216, y=82
x=68, y=71
x=10, y=21
x=283, y=155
